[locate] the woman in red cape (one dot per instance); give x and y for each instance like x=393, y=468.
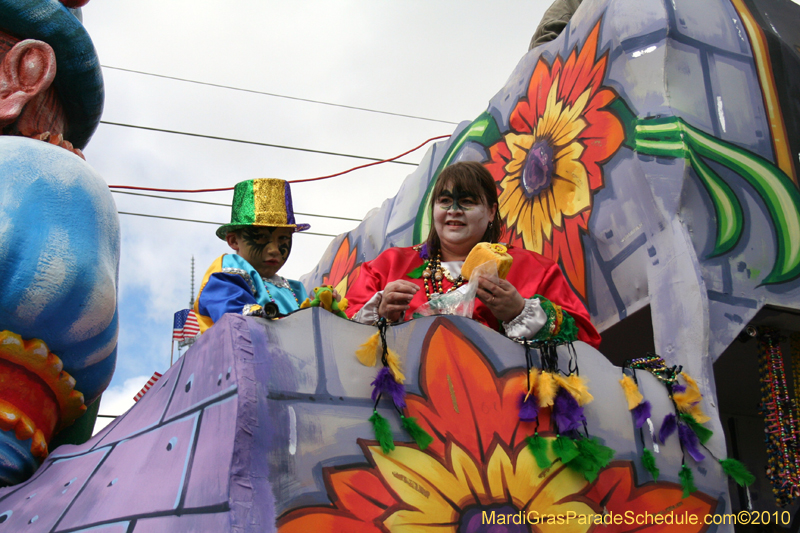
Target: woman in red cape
x=534, y=301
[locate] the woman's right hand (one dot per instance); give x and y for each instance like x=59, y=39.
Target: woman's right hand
x=396, y=297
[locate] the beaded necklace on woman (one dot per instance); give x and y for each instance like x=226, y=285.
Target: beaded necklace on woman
x=433, y=275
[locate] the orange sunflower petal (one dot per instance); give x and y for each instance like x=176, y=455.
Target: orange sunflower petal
x=322, y=519
x=453, y=373
x=568, y=251
x=581, y=71
x=602, y=138
x=616, y=486
x=528, y=110
x=360, y=492
x=542, y=91
x=499, y=156
x=342, y=267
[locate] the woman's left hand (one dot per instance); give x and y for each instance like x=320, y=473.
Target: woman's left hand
x=501, y=297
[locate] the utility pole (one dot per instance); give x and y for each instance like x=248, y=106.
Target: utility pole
x=191, y=296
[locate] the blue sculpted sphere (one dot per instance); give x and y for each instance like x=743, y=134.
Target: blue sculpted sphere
x=59, y=258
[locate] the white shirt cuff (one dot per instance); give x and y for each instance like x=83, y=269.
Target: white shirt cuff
x=528, y=322
x=369, y=313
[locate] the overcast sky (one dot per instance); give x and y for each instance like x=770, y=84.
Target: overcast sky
x=440, y=60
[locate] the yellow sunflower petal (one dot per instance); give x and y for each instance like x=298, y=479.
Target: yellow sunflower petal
x=423, y=483
x=519, y=146
x=570, y=182
x=555, y=212
x=530, y=228
x=504, y=481
x=552, y=111
x=533, y=489
x=542, y=220
x=570, y=123
x=467, y=473
x=511, y=201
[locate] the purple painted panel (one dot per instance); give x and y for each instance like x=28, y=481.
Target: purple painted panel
x=208, y=371
x=149, y=409
x=118, y=527
x=142, y=475
x=43, y=504
x=192, y=523
x=70, y=450
x=208, y=479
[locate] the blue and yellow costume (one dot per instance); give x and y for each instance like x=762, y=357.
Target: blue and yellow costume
x=232, y=285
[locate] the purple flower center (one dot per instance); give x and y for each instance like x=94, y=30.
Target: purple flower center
x=493, y=519
x=538, y=169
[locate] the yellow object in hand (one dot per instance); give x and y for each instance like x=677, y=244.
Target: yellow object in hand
x=484, y=252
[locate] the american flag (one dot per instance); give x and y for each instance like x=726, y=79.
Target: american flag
x=185, y=325
x=150, y=383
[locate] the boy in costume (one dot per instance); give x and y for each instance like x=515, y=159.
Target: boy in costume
x=260, y=232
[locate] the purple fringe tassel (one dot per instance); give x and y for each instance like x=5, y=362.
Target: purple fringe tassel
x=690, y=442
x=668, y=427
x=641, y=413
x=568, y=415
x=528, y=410
x=385, y=384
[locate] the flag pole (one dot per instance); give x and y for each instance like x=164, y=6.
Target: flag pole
x=171, y=352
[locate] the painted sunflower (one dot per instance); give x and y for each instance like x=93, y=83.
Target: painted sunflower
x=478, y=464
x=548, y=165
x=344, y=270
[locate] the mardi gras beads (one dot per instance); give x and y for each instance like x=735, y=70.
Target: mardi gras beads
x=780, y=425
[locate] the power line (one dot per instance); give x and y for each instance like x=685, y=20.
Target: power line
x=226, y=205
x=256, y=143
x=208, y=222
x=278, y=95
x=219, y=189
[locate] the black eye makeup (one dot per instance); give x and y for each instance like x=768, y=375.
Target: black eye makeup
x=456, y=200
x=285, y=246
x=253, y=236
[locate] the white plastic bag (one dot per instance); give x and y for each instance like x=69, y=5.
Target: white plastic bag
x=461, y=301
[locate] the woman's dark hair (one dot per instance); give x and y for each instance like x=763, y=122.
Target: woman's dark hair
x=473, y=178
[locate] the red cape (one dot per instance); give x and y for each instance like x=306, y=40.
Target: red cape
x=530, y=273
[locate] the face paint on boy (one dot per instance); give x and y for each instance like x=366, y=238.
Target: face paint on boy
x=266, y=248
x=285, y=246
x=456, y=200
x=252, y=237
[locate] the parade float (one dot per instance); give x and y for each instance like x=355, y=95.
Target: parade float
x=650, y=151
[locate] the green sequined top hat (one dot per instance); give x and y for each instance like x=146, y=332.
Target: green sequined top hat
x=261, y=202
x=79, y=81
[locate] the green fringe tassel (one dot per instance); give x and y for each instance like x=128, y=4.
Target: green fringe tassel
x=591, y=459
x=383, y=433
x=649, y=463
x=417, y=272
x=420, y=436
x=538, y=447
x=565, y=449
x=702, y=432
x=736, y=470
x=687, y=481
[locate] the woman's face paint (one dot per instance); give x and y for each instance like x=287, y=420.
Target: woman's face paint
x=265, y=248
x=456, y=200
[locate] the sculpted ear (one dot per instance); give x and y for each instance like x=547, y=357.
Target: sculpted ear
x=27, y=70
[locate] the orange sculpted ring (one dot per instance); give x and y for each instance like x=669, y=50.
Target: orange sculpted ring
x=37, y=397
